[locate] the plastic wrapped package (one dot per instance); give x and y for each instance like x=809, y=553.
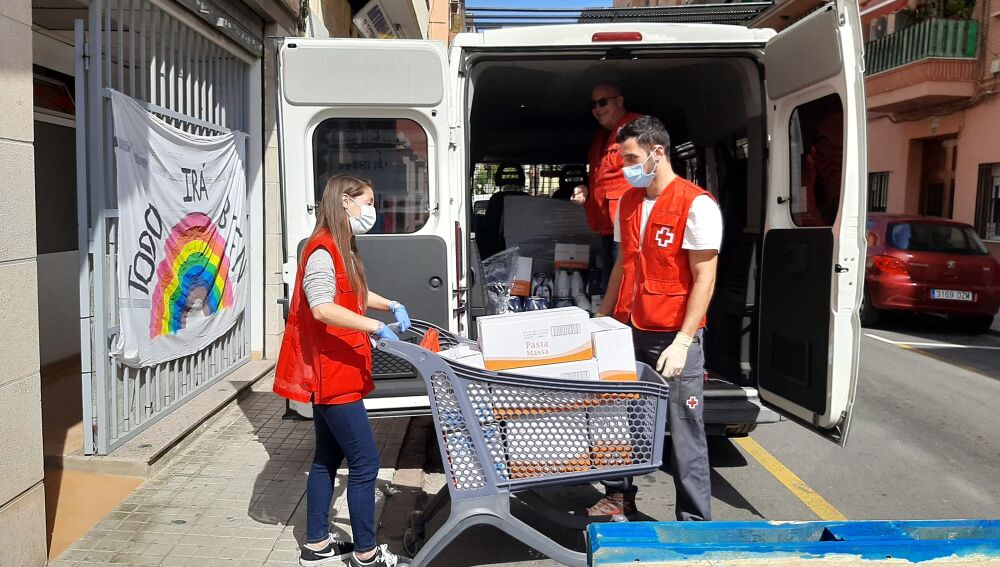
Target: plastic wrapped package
x=535, y=225
x=498, y=276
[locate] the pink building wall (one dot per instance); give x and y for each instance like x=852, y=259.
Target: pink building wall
x=897, y=148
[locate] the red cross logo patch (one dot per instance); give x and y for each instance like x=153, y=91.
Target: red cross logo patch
x=692, y=402
x=664, y=237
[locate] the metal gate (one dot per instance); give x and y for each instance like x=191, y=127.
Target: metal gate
x=154, y=52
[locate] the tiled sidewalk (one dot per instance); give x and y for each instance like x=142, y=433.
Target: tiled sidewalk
x=233, y=496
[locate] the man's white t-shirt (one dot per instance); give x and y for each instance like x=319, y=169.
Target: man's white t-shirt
x=703, y=230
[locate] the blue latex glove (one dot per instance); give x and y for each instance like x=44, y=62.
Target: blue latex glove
x=402, y=317
x=385, y=332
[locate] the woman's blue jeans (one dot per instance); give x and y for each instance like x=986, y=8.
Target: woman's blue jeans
x=343, y=431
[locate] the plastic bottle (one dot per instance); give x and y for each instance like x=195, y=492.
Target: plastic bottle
x=563, y=284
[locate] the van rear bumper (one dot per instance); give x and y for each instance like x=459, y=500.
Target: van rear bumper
x=728, y=405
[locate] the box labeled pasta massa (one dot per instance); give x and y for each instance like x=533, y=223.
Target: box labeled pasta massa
x=535, y=338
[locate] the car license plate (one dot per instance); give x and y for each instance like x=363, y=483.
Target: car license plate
x=951, y=294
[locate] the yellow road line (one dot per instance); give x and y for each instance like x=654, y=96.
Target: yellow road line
x=823, y=509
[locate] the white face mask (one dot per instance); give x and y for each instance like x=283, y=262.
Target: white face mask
x=364, y=223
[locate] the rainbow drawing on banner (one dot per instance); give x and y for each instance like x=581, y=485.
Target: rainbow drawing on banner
x=193, y=275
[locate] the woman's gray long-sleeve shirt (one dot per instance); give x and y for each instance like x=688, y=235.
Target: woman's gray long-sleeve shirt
x=319, y=282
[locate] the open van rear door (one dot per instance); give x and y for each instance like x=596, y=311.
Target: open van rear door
x=377, y=110
x=813, y=252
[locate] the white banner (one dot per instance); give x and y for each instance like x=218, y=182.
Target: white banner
x=182, y=236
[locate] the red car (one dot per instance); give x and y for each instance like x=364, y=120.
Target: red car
x=929, y=265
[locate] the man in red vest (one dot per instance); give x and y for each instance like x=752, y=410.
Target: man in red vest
x=670, y=232
x=605, y=168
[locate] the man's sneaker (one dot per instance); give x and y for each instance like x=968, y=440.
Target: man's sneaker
x=334, y=552
x=382, y=558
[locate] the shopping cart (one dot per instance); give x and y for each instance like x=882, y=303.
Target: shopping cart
x=503, y=435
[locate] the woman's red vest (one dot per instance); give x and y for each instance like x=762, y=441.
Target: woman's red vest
x=656, y=274
x=317, y=362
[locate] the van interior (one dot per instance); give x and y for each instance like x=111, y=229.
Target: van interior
x=531, y=108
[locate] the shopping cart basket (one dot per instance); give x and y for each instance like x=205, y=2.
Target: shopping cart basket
x=503, y=435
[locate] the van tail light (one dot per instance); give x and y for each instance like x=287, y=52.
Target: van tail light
x=890, y=265
x=616, y=36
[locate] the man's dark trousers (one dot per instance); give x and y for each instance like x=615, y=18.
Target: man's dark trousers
x=689, y=454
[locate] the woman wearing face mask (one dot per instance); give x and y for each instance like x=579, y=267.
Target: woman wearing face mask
x=326, y=359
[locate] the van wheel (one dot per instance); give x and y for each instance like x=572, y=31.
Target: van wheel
x=869, y=315
x=977, y=324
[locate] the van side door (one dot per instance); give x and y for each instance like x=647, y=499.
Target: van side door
x=377, y=110
x=813, y=256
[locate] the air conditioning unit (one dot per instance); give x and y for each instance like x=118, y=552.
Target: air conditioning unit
x=372, y=21
x=393, y=19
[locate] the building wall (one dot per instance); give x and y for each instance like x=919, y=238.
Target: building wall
x=897, y=148
x=22, y=500
x=331, y=18
x=990, y=24
x=274, y=254
x=438, y=28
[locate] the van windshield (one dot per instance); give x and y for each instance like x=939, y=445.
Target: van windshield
x=931, y=237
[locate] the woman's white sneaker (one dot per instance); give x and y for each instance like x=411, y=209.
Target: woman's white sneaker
x=382, y=558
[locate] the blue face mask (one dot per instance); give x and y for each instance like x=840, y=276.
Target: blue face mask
x=636, y=175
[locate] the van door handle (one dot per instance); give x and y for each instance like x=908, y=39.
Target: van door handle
x=840, y=269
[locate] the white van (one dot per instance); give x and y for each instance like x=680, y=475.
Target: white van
x=772, y=124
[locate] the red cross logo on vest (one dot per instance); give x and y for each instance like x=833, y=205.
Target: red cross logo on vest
x=664, y=237
x=692, y=402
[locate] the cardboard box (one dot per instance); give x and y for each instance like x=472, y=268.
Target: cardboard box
x=572, y=256
x=465, y=354
x=581, y=370
x=522, y=277
x=613, y=349
x=535, y=338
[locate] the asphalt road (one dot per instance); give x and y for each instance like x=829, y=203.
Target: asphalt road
x=923, y=444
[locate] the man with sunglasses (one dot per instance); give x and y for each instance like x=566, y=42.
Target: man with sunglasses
x=606, y=181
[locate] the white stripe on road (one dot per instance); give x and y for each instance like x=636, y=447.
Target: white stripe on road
x=927, y=345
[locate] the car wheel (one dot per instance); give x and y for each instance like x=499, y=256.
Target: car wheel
x=869, y=315
x=976, y=324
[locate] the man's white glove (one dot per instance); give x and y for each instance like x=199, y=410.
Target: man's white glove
x=673, y=358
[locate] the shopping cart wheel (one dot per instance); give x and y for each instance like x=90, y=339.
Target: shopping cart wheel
x=413, y=540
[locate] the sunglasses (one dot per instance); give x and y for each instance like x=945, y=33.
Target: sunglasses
x=602, y=102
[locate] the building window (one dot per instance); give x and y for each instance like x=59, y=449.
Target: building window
x=988, y=202
x=878, y=191
x=391, y=153
x=816, y=136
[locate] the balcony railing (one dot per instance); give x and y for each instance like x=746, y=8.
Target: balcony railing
x=931, y=38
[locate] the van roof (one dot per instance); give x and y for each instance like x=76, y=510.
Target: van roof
x=582, y=34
